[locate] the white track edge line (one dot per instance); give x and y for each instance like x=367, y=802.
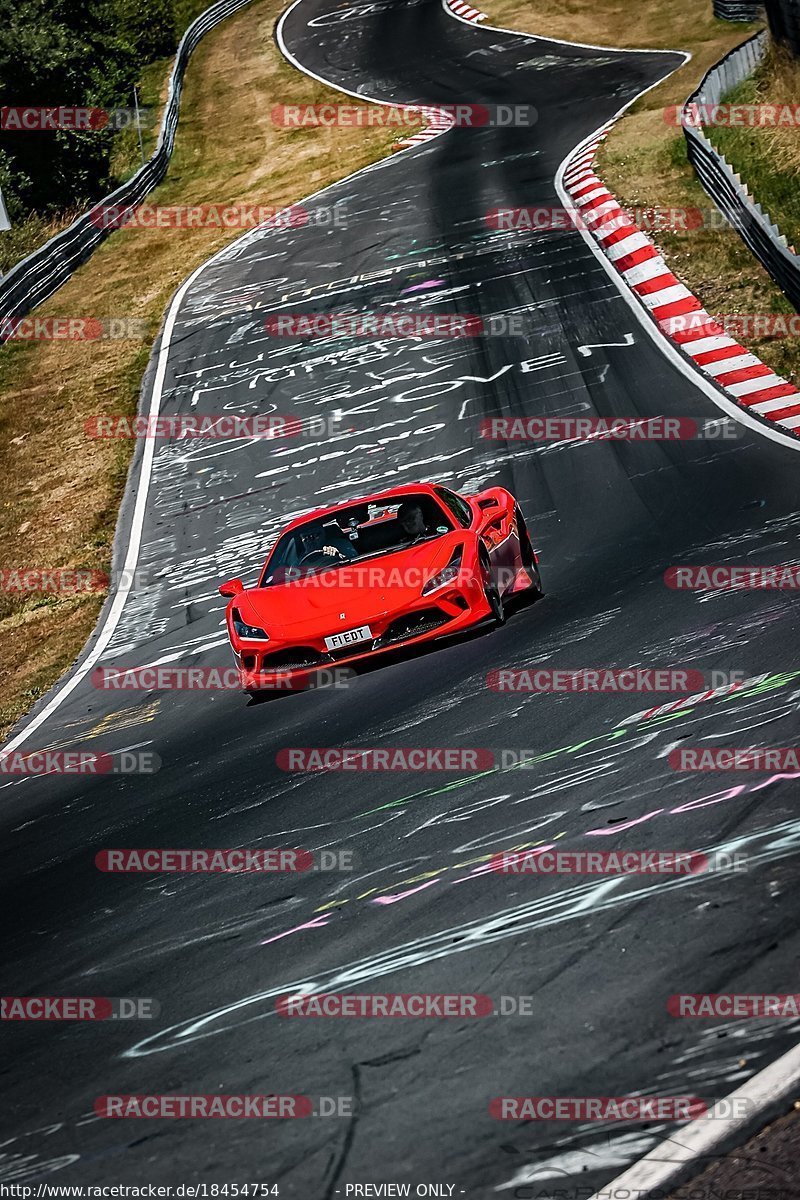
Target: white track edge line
x=662, y=341
x=789, y=1063
x=669, y=1162
x=583, y=45
x=108, y=623
x=115, y=611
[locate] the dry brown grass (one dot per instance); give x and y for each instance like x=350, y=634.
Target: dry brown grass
x=768, y=158
x=62, y=491
x=647, y=25
x=778, y=82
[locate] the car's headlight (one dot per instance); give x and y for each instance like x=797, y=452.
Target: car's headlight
x=248, y=631
x=447, y=575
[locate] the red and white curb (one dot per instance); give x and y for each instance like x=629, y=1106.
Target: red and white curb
x=663, y=710
x=465, y=11
x=680, y=315
x=685, y=1154
x=439, y=121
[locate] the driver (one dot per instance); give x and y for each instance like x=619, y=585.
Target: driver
x=330, y=542
x=412, y=521
x=337, y=545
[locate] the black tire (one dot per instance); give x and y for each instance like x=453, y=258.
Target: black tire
x=492, y=594
x=526, y=554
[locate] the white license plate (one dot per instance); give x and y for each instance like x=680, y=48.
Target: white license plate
x=349, y=638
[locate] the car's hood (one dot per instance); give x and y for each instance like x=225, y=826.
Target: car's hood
x=347, y=596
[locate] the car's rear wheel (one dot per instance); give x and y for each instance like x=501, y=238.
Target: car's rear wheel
x=527, y=555
x=492, y=592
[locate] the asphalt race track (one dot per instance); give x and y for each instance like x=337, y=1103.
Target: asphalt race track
x=419, y=912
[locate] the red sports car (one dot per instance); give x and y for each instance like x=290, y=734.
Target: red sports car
x=356, y=580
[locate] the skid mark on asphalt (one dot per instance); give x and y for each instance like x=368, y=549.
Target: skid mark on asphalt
x=745, y=710
x=195, y=474
x=308, y=378
x=698, y=1066
x=580, y=901
x=604, y=753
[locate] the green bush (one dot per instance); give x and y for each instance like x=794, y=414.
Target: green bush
x=85, y=53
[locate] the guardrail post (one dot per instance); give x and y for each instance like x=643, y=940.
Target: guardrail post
x=735, y=10
x=723, y=185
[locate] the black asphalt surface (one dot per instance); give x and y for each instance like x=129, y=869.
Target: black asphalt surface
x=599, y=957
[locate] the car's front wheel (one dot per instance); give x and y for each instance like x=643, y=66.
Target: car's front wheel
x=492, y=592
x=526, y=554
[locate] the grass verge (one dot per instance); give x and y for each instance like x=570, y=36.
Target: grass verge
x=34, y=230
x=768, y=158
x=643, y=161
x=62, y=491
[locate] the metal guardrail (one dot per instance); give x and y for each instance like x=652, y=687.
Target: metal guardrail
x=725, y=187
x=735, y=10
x=42, y=272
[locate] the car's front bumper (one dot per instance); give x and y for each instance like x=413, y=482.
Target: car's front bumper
x=296, y=666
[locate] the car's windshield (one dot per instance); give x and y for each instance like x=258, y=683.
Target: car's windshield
x=354, y=533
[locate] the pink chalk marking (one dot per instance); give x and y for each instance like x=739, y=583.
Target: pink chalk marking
x=317, y=923
x=774, y=779
x=701, y=802
x=402, y=895
x=418, y=287
x=491, y=868
x=624, y=825
x=714, y=798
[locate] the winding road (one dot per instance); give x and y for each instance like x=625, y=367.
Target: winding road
x=599, y=957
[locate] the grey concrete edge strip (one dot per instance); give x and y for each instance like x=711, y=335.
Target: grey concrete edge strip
x=676, y=1160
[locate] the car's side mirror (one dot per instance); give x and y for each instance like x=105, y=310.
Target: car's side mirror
x=233, y=587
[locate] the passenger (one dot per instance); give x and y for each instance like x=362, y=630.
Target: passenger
x=412, y=521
